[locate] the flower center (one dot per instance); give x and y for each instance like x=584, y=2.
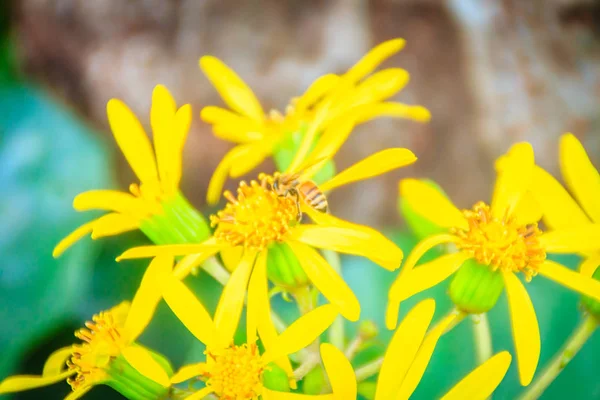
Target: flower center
x=256, y=217
x=103, y=340
x=236, y=372
x=501, y=243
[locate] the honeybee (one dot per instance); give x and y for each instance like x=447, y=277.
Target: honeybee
x=293, y=184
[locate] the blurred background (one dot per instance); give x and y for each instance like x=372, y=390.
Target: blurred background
x=490, y=72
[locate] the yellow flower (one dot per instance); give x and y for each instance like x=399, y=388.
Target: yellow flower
x=561, y=211
x=257, y=218
x=236, y=371
x=406, y=359
x=108, y=349
x=505, y=238
x=156, y=202
x=330, y=99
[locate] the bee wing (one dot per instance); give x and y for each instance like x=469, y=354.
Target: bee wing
x=307, y=170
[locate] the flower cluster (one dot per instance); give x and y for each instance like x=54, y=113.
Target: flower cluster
x=275, y=234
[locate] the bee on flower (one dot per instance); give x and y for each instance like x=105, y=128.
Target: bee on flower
x=359, y=94
x=259, y=221
x=155, y=205
x=108, y=353
x=493, y=244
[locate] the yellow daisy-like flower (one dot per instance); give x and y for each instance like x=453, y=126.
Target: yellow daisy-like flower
x=355, y=95
x=505, y=238
x=108, y=349
x=405, y=361
x=156, y=204
x=258, y=218
x=235, y=372
x=563, y=211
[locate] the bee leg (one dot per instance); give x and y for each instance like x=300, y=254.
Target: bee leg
x=296, y=196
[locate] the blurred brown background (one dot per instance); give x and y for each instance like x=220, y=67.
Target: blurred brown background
x=491, y=72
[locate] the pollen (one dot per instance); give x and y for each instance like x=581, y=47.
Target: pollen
x=502, y=244
x=235, y=373
x=102, y=341
x=256, y=217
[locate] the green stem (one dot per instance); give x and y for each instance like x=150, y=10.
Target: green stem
x=583, y=332
x=336, y=331
x=482, y=338
x=368, y=370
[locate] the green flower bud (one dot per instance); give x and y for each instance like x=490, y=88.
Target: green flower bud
x=275, y=378
x=283, y=268
x=314, y=382
x=475, y=288
x=180, y=223
x=125, y=379
x=367, y=330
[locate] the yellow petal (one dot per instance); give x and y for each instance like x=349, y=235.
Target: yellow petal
x=373, y=58
x=357, y=240
x=391, y=315
x=72, y=238
x=324, y=278
x=559, y=208
x=528, y=210
x=258, y=314
x=375, y=88
x=525, y=330
x=232, y=298
x=431, y=204
x=268, y=394
x=319, y=88
x=483, y=380
x=231, y=126
x=589, y=266
x=391, y=109
x=110, y=200
x=56, y=362
x=572, y=240
x=302, y=332
x=580, y=175
x=571, y=279
x=421, y=360
x=132, y=140
x=162, y=113
x=147, y=297
x=188, y=263
x=403, y=348
x=174, y=160
x=189, y=310
x=340, y=372
x=140, y=359
x=200, y=394
x=243, y=157
x=233, y=90
x=513, y=179
x=208, y=246
x=80, y=392
x=114, y=224
x=429, y=274
x=374, y=165
x=329, y=143
x=20, y=383
x=188, y=372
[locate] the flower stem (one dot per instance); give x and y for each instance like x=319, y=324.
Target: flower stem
x=368, y=370
x=336, y=331
x=583, y=332
x=482, y=338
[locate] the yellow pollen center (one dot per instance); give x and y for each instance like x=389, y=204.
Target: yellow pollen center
x=102, y=341
x=235, y=373
x=501, y=243
x=256, y=217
